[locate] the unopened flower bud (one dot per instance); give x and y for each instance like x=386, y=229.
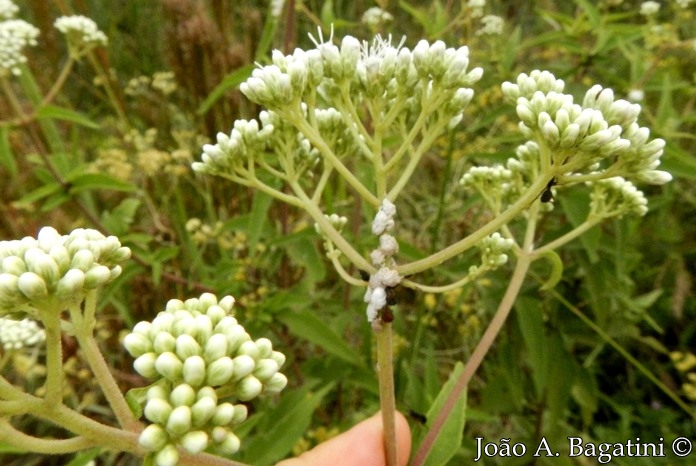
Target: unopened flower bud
x=183, y=395
x=202, y=411
x=278, y=357
x=215, y=347
x=250, y=349
x=220, y=371
x=71, y=283
x=164, y=342
x=230, y=445
x=157, y=410
x=145, y=365
x=179, y=421
x=97, y=277
x=83, y=259
x=194, y=442
x=265, y=369
x=167, y=456
x=170, y=366
x=243, y=366
x=248, y=388
x=224, y=414
x=137, y=344
x=187, y=346
x=276, y=383
x=153, y=438
x=194, y=371
x=32, y=286
x=13, y=265
x=227, y=303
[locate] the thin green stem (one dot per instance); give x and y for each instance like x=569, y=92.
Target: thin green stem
x=568, y=237
x=385, y=374
x=495, y=224
x=84, y=327
x=11, y=436
x=50, y=317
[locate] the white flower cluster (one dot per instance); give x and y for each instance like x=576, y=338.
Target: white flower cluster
x=492, y=26
x=649, y=8
x=385, y=277
x=8, y=9
x=18, y=334
x=476, y=7
x=374, y=17
x=494, y=250
x=15, y=35
x=337, y=221
x=82, y=33
x=600, y=130
x=202, y=355
x=54, y=267
x=495, y=181
x=616, y=197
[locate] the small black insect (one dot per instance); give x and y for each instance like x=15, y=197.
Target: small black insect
x=392, y=295
x=547, y=194
x=364, y=276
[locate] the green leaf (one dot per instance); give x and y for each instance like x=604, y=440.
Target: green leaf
x=51, y=112
x=88, y=181
x=7, y=159
x=530, y=320
x=258, y=220
x=449, y=440
x=231, y=81
x=303, y=252
x=310, y=327
x=121, y=217
x=41, y=192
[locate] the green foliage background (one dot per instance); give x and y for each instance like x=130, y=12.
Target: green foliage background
x=549, y=375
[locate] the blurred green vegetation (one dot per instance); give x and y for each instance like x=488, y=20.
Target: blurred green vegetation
x=549, y=375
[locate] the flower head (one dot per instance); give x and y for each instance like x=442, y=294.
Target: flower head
x=54, y=267
x=15, y=35
x=8, y=9
x=18, y=334
x=82, y=34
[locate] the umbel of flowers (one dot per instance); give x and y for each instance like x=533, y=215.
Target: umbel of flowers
x=54, y=271
x=205, y=365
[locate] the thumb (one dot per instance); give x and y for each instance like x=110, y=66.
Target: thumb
x=363, y=445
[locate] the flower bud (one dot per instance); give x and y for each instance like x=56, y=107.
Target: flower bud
x=278, y=357
x=276, y=383
x=32, y=286
x=243, y=366
x=157, y=410
x=13, y=265
x=83, y=259
x=215, y=314
x=265, y=369
x=230, y=445
x=187, y=346
x=194, y=371
x=218, y=434
x=224, y=414
x=42, y=264
x=170, y=366
x=220, y=371
x=164, y=342
x=215, y=347
x=47, y=237
x=9, y=291
x=179, y=421
x=71, y=284
x=240, y=414
x=158, y=391
x=137, y=344
x=97, y=277
x=202, y=411
x=248, y=388
x=250, y=349
x=194, y=442
x=183, y=395
x=203, y=328
x=153, y=438
x=227, y=303
x=145, y=365
x=167, y=456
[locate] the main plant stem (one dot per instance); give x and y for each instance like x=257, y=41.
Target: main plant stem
x=385, y=373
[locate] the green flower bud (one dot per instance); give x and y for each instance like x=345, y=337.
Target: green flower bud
x=220, y=371
x=13, y=265
x=32, y=286
x=71, y=284
x=163, y=323
x=174, y=305
x=97, y=277
x=167, y=456
x=227, y=303
x=157, y=410
x=153, y=438
x=60, y=255
x=83, y=259
x=194, y=442
x=183, y=395
x=215, y=347
x=250, y=349
x=145, y=365
x=194, y=371
x=206, y=300
x=164, y=342
x=229, y=445
x=240, y=414
x=248, y=388
x=115, y=272
x=158, y=391
x=265, y=369
x=137, y=344
x=278, y=357
x=215, y=314
x=170, y=366
x=265, y=347
x=203, y=328
x=218, y=434
x=187, y=346
x=207, y=392
x=202, y=411
x=243, y=366
x=224, y=414
x=179, y=421
x=276, y=383
x=225, y=324
x=9, y=290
